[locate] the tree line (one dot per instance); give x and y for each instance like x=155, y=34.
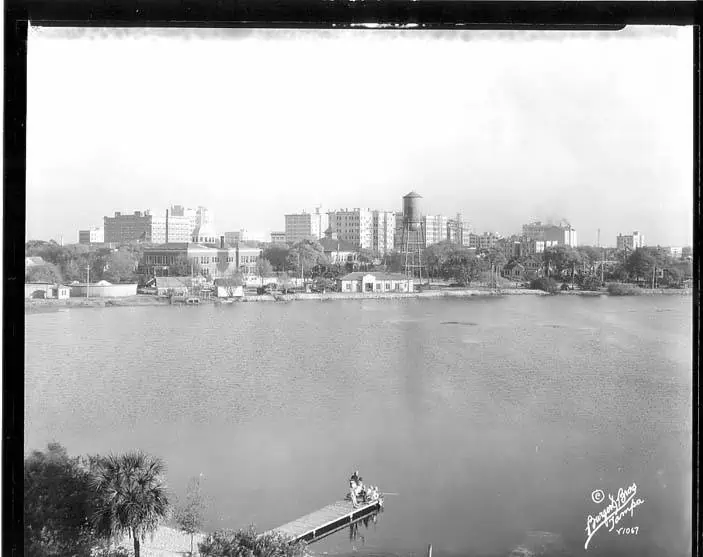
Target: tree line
x=86, y=506
x=307, y=259
x=77, y=262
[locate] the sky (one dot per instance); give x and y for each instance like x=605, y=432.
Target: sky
x=504, y=127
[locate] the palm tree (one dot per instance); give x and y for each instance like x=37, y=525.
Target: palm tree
x=132, y=495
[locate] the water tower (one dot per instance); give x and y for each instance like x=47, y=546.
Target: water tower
x=413, y=236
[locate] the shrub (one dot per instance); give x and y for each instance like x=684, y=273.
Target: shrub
x=590, y=283
x=620, y=289
x=228, y=543
x=545, y=283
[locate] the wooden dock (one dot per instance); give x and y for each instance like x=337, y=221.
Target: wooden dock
x=329, y=519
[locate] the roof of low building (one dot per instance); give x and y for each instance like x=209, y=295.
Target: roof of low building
x=31, y=261
x=173, y=282
x=357, y=275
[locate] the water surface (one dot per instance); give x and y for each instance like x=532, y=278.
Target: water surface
x=490, y=417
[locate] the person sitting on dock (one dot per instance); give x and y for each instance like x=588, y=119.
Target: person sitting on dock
x=352, y=493
x=373, y=493
x=356, y=478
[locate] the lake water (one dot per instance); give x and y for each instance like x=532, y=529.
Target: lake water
x=489, y=417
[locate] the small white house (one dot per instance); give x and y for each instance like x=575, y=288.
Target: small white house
x=375, y=282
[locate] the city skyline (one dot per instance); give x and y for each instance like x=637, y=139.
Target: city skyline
x=554, y=129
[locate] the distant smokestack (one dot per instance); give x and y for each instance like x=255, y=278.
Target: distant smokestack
x=167, y=226
x=222, y=242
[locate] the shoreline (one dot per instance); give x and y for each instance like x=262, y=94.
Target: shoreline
x=42, y=306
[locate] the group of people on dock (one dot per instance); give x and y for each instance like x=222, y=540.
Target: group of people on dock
x=360, y=492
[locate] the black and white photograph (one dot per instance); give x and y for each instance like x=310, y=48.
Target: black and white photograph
x=386, y=292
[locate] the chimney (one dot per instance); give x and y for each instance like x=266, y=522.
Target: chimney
x=167, y=226
x=222, y=242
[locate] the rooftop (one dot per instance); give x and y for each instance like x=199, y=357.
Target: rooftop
x=357, y=275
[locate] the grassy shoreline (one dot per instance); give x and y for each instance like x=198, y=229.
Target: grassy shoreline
x=39, y=306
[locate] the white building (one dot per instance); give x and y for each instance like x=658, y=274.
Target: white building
x=459, y=231
x=436, y=229
x=375, y=282
x=383, y=231
x=190, y=214
x=168, y=229
x=92, y=236
x=354, y=226
x=630, y=241
x=302, y=226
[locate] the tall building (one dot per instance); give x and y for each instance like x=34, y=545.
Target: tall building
x=190, y=214
x=383, y=231
x=122, y=229
x=91, y=236
x=436, y=229
x=168, y=228
x=551, y=234
x=354, y=226
x=398, y=235
x=630, y=241
x=459, y=231
x=488, y=240
x=305, y=226
x=204, y=216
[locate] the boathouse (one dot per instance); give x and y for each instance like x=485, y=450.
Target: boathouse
x=363, y=282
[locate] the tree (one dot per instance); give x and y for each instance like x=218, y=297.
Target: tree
x=366, y=258
x=545, y=283
x=57, y=504
x=264, y=268
x=131, y=495
x=120, y=266
x=247, y=543
x=561, y=258
x=191, y=515
x=277, y=255
x=496, y=258
x=304, y=256
x=640, y=264
x=42, y=273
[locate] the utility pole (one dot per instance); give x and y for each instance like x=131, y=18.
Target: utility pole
x=87, y=285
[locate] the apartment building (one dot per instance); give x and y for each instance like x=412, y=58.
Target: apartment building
x=354, y=226
x=561, y=234
x=303, y=226
x=436, y=229
x=384, y=227
x=484, y=241
x=169, y=228
x=459, y=230
x=630, y=241
x=122, y=229
x=91, y=236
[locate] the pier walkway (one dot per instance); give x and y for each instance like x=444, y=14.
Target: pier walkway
x=328, y=519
